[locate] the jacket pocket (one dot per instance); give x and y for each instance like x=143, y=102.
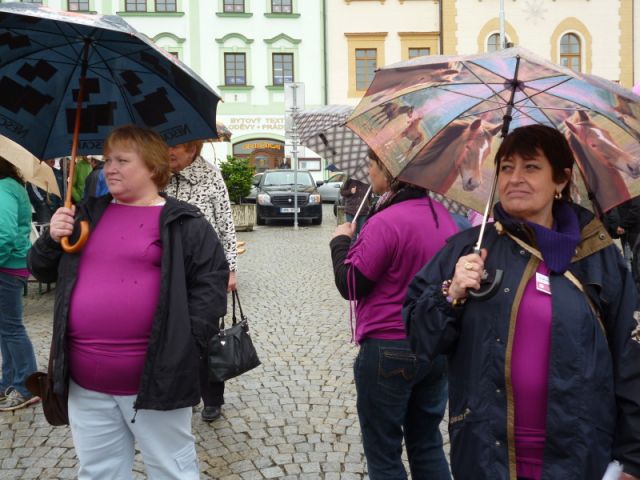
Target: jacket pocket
x=474, y=449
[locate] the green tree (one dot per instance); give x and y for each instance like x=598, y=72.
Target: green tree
x=237, y=174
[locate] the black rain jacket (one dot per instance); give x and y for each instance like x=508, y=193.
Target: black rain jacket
x=193, y=296
x=593, y=402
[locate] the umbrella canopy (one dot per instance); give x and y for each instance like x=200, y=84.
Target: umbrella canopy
x=434, y=121
x=32, y=169
x=323, y=130
x=127, y=80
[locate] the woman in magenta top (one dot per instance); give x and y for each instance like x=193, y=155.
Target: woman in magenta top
x=400, y=397
x=544, y=376
x=133, y=308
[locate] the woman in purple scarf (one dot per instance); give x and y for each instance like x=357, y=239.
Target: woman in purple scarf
x=544, y=377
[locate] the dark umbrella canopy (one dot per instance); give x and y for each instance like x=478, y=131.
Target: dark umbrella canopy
x=128, y=80
x=435, y=120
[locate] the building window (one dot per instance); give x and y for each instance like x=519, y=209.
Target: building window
x=419, y=52
x=366, y=64
x=234, y=6
x=235, y=69
x=136, y=6
x=78, y=6
x=570, y=52
x=281, y=6
x=493, y=42
x=282, y=68
x=166, y=6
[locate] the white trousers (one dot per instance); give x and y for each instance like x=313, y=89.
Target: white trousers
x=103, y=437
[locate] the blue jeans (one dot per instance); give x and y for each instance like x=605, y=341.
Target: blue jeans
x=18, y=359
x=401, y=397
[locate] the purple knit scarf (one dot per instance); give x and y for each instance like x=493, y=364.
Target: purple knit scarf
x=557, y=244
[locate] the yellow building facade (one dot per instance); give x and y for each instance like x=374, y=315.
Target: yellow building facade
x=592, y=36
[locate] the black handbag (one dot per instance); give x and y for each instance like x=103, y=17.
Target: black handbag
x=231, y=351
x=54, y=406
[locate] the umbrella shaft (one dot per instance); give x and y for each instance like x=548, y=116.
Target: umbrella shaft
x=365, y=199
x=68, y=199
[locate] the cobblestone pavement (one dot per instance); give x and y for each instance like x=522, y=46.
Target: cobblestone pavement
x=293, y=417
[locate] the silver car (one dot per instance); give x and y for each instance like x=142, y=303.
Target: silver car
x=251, y=198
x=330, y=190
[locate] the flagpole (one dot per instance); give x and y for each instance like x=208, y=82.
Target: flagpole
x=502, y=37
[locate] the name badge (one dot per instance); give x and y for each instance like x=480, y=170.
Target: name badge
x=542, y=283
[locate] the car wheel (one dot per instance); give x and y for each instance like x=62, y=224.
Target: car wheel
x=317, y=221
x=259, y=219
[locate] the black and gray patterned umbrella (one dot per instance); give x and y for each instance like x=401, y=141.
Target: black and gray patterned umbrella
x=67, y=79
x=322, y=130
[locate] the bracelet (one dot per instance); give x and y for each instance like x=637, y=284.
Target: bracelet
x=455, y=302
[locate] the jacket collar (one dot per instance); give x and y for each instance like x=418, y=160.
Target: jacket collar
x=93, y=208
x=193, y=173
x=593, y=234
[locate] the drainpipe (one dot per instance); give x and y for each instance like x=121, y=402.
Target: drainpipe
x=324, y=53
x=441, y=29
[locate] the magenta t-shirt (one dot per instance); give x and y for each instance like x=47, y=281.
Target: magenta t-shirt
x=114, y=300
x=392, y=247
x=530, y=376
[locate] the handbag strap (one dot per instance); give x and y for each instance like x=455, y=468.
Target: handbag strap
x=234, y=319
x=236, y=296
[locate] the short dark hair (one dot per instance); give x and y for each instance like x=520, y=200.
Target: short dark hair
x=526, y=141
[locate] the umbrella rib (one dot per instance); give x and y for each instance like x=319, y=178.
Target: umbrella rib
x=623, y=127
x=112, y=78
x=175, y=90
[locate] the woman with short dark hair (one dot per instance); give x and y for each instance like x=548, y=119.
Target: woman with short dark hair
x=544, y=376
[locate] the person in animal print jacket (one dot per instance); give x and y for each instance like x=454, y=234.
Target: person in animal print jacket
x=197, y=182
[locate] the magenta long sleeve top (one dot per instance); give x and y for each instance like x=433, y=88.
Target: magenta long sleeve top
x=114, y=300
x=529, y=376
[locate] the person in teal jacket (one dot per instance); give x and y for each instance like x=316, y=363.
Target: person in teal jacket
x=18, y=358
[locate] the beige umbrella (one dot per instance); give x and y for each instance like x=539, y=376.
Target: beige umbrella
x=32, y=169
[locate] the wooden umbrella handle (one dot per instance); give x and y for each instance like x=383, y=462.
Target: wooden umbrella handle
x=84, y=225
x=82, y=239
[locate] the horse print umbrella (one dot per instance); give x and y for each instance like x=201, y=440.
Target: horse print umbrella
x=434, y=122
x=67, y=79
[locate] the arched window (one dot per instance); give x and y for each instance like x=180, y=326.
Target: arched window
x=570, y=51
x=493, y=42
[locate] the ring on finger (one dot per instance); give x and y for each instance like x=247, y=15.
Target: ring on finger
x=468, y=266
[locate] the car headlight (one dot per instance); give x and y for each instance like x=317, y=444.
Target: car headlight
x=314, y=199
x=264, y=199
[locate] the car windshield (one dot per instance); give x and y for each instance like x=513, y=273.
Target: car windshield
x=287, y=178
x=339, y=177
